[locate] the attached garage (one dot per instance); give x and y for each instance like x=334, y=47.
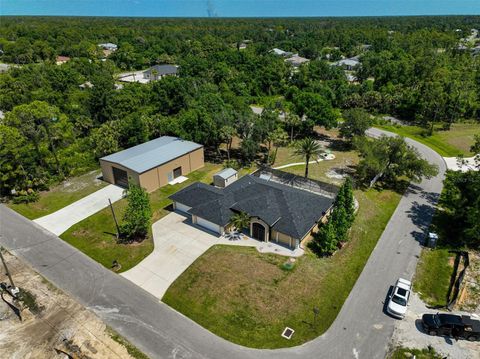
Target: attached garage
x=208, y=225
x=181, y=207
x=153, y=164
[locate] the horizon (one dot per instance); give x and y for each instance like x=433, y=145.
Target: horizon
x=225, y=9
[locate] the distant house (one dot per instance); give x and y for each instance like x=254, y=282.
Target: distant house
x=4, y=67
x=157, y=72
x=296, y=61
x=242, y=46
x=279, y=52
x=152, y=164
x=62, y=60
x=86, y=85
x=108, y=46
x=349, y=64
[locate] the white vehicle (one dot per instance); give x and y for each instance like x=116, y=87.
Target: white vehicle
x=398, y=300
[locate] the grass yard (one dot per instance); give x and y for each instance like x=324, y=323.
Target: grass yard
x=432, y=277
x=247, y=298
x=405, y=353
x=61, y=195
x=95, y=235
x=447, y=143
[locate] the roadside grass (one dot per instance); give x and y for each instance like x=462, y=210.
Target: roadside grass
x=95, y=235
x=61, y=195
x=131, y=349
x=456, y=141
x=247, y=298
x=404, y=353
x=432, y=277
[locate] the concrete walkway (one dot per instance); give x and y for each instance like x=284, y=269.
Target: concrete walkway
x=61, y=220
x=178, y=243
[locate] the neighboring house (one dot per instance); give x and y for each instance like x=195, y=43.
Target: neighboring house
x=157, y=72
x=108, y=46
x=86, y=85
x=4, y=67
x=62, y=60
x=278, y=213
x=279, y=52
x=225, y=177
x=296, y=61
x=349, y=64
x=153, y=164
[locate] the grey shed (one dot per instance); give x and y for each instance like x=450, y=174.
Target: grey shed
x=225, y=177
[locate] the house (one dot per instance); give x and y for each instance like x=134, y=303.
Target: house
x=278, y=212
x=296, y=61
x=153, y=164
x=86, y=85
x=62, y=60
x=225, y=177
x=348, y=64
x=279, y=52
x=108, y=46
x=159, y=71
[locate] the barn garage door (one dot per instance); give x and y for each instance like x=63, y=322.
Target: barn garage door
x=208, y=225
x=120, y=177
x=181, y=207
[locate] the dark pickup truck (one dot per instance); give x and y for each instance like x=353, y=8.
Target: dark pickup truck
x=451, y=325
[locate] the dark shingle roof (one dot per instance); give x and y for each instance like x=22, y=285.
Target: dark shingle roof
x=286, y=209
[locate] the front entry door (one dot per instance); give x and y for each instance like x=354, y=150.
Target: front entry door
x=258, y=231
x=177, y=172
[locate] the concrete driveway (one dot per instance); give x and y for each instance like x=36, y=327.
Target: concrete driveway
x=61, y=220
x=177, y=244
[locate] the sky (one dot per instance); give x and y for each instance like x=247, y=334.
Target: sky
x=238, y=8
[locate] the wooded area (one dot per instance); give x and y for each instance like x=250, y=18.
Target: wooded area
x=411, y=68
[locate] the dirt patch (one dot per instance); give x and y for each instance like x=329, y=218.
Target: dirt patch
x=469, y=297
x=78, y=183
x=53, y=325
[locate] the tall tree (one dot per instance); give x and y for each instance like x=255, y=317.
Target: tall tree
x=137, y=217
x=355, y=122
x=308, y=148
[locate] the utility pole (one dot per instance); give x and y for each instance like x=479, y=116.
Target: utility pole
x=13, y=289
x=114, y=218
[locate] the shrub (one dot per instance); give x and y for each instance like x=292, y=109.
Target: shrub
x=136, y=220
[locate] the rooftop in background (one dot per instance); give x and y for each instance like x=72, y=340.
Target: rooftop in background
x=162, y=70
x=280, y=52
x=152, y=154
x=296, y=60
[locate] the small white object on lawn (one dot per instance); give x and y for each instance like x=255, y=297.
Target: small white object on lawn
x=288, y=333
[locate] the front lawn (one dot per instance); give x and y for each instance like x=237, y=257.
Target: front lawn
x=432, y=278
x=61, y=195
x=95, y=235
x=247, y=298
x=450, y=143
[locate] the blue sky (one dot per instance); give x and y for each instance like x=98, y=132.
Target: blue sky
x=238, y=8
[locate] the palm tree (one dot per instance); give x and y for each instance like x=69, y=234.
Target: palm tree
x=308, y=148
x=240, y=220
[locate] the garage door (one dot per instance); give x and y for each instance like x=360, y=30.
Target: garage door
x=208, y=225
x=181, y=207
x=120, y=177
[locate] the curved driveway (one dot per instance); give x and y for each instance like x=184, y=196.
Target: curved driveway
x=361, y=330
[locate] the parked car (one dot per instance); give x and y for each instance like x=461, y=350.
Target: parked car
x=398, y=300
x=452, y=325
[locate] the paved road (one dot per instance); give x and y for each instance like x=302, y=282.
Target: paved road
x=361, y=330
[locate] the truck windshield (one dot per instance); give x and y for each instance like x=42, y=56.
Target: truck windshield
x=399, y=300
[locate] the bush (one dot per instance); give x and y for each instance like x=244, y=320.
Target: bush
x=26, y=197
x=136, y=220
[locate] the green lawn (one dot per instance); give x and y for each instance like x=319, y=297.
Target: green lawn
x=450, y=143
x=432, y=277
x=406, y=353
x=247, y=298
x=61, y=195
x=95, y=235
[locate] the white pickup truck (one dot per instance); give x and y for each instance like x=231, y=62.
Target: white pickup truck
x=398, y=300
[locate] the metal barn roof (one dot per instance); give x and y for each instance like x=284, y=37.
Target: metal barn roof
x=152, y=154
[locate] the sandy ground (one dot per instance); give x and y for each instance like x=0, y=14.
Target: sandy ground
x=408, y=333
x=61, y=323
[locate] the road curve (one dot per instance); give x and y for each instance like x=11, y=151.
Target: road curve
x=361, y=330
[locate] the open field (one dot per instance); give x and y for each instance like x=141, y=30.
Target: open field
x=95, y=236
x=51, y=321
x=456, y=141
x=247, y=298
x=432, y=277
x=61, y=195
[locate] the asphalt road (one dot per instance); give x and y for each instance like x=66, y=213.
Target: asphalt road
x=361, y=329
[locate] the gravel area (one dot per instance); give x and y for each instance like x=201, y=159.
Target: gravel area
x=409, y=333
